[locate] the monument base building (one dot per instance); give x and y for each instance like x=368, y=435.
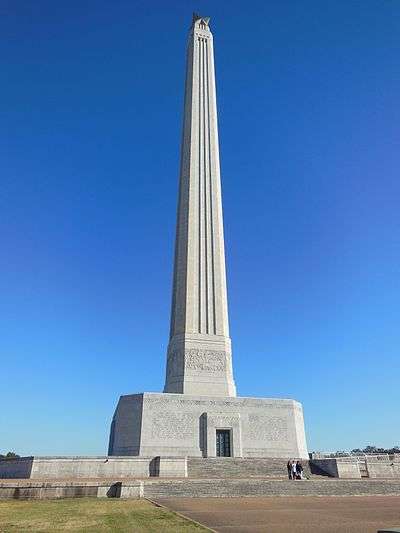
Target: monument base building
x=160, y=424
x=199, y=415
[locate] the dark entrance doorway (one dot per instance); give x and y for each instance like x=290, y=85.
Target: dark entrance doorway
x=223, y=443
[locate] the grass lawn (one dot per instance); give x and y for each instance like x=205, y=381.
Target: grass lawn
x=90, y=515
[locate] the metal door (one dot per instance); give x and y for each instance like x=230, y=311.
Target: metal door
x=223, y=443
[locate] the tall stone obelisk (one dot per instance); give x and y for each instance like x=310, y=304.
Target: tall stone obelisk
x=199, y=352
x=199, y=414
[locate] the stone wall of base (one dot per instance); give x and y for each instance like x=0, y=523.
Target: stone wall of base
x=184, y=425
x=92, y=467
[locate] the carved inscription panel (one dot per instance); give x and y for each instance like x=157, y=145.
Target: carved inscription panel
x=222, y=420
x=206, y=360
x=173, y=426
x=268, y=428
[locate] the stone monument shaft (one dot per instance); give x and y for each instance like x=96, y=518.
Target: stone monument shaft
x=199, y=352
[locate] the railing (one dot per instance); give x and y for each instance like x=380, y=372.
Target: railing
x=349, y=457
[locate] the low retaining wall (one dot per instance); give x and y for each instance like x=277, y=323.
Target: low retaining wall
x=92, y=467
x=349, y=467
x=19, y=468
x=335, y=468
x=40, y=490
x=380, y=469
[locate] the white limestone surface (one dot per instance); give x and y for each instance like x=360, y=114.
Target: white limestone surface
x=88, y=467
x=160, y=424
x=78, y=467
x=199, y=351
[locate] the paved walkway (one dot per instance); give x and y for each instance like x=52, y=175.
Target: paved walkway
x=296, y=514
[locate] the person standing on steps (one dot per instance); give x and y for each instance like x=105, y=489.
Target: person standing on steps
x=294, y=469
x=299, y=470
x=289, y=468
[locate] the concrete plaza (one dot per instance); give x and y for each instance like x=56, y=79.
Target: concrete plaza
x=295, y=514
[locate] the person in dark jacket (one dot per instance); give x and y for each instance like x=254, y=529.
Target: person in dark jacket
x=299, y=470
x=289, y=468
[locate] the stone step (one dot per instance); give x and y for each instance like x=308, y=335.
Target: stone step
x=256, y=487
x=235, y=467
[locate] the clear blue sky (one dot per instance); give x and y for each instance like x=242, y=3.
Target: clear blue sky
x=91, y=98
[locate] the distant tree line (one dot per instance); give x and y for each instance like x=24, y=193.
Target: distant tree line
x=9, y=455
x=368, y=450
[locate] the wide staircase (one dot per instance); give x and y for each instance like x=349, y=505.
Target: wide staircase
x=217, y=488
x=235, y=467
